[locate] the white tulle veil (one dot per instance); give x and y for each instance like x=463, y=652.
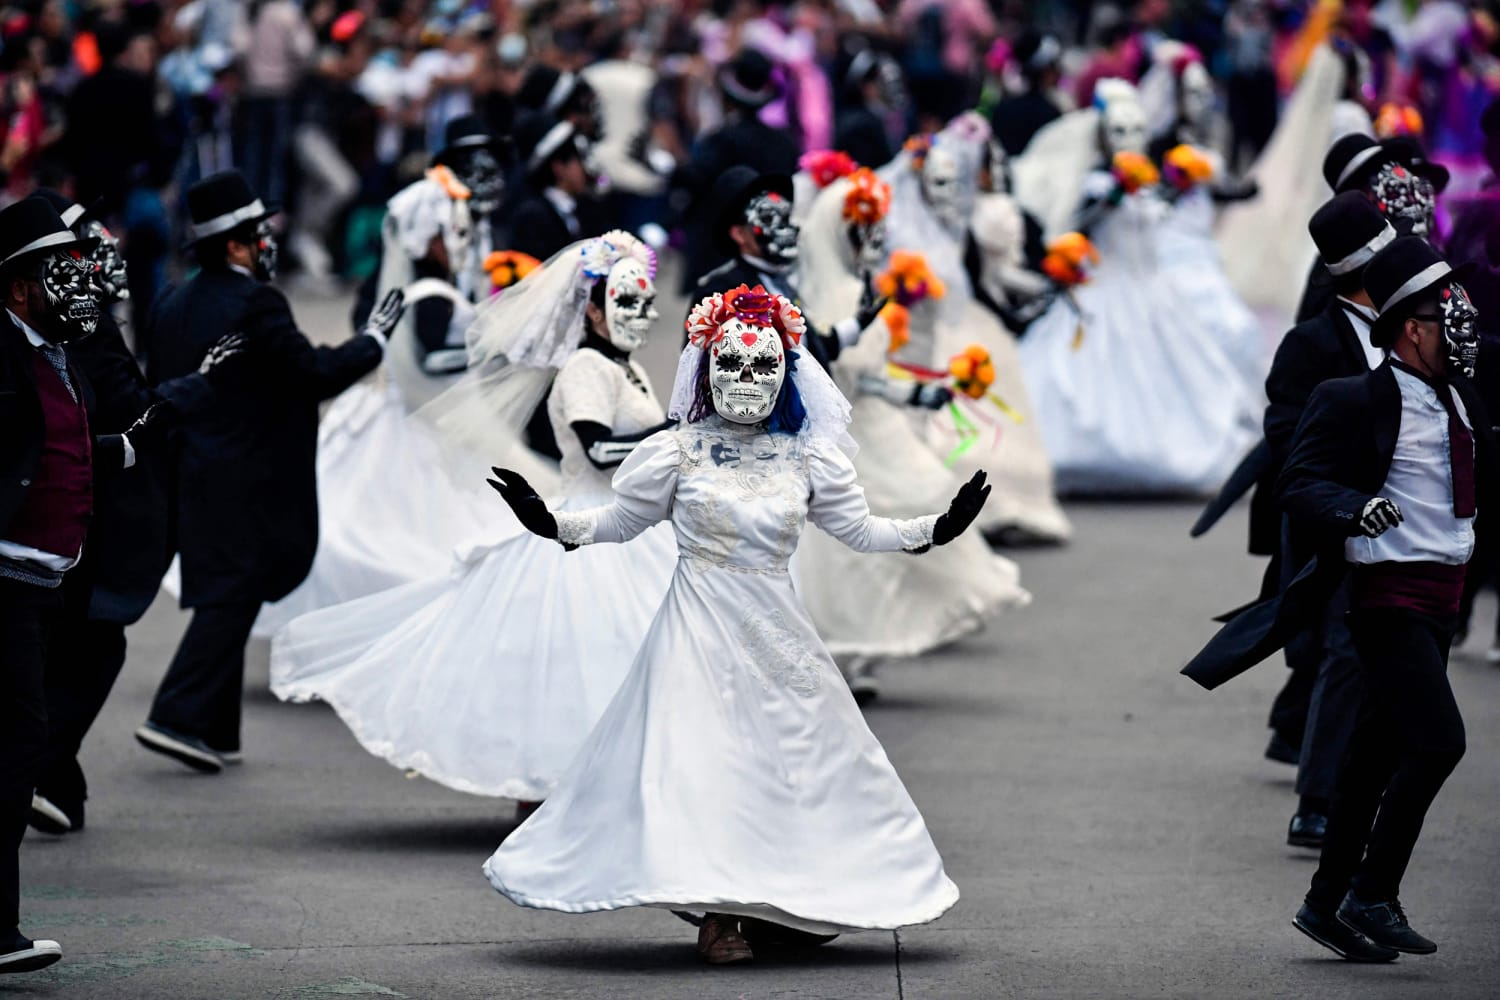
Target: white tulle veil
x=516, y=343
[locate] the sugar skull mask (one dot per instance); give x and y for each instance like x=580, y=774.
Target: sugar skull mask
x=480, y=172
x=110, y=275
x=270, y=250
x=869, y=242
x=1195, y=94
x=68, y=285
x=769, y=216
x=1124, y=125
x=941, y=185
x=747, y=367
x=1459, y=318
x=629, y=304
x=1407, y=200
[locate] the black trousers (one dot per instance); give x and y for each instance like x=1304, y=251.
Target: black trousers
x=1334, y=707
x=1408, y=738
x=26, y=618
x=200, y=695
x=1289, y=712
x=82, y=667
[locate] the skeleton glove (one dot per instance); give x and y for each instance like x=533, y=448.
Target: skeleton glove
x=962, y=511
x=530, y=509
x=224, y=358
x=152, y=426
x=1380, y=515
x=386, y=315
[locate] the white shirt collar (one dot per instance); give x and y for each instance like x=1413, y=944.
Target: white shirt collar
x=1360, y=317
x=565, y=203
x=243, y=270
x=765, y=266
x=32, y=337
x=1367, y=313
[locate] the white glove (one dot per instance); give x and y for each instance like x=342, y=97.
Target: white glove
x=1379, y=516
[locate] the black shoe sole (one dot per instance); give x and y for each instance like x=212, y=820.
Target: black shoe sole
x=1337, y=950
x=30, y=964
x=1312, y=843
x=42, y=824
x=1393, y=947
x=196, y=764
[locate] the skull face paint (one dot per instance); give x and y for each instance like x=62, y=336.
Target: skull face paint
x=748, y=366
x=1124, y=128
x=629, y=304
x=480, y=172
x=1459, y=333
x=269, y=250
x=68, y=286
x=1408, y=201
x=110, y=275
x=869, y=242
x=940, y=185
x=1195, y=94
x=769, y=217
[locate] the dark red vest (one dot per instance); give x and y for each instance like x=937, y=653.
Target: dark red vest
x=54, y=517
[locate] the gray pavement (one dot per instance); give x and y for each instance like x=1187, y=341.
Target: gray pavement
x=1114, y=831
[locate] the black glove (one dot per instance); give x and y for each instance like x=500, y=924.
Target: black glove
x=930, y=395
x=869, y=305
x=225, y=358
x=386, y=315
x=529, y=508
x=962, y=511
x=152, y=426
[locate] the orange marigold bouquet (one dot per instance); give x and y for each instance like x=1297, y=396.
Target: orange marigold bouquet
x=1134, y=171
x=1069, y=259
x=506, y=267
x=1186, y=167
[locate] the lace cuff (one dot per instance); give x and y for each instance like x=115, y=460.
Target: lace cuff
x=916, y=532
x=578, y=528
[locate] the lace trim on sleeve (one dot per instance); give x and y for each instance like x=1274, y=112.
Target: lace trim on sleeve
x=916, y=532
x=578, y=528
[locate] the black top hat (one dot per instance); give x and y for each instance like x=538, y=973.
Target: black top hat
x=31, y=228
x=1035, y=52
x=733, y=191
x=542, y=137
x=470, y=132
x=221, y=203
x=746, y=79
x=1400, y=273
x=1408, y=152
x=1349, y=231
x=548, y=90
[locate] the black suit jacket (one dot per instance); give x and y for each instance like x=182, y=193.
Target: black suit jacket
x=1340, y=457
x=539, y=229
x=1016, y=119
x=23, y=429
x=823, y=346
x=861, y=133
x=246, y=499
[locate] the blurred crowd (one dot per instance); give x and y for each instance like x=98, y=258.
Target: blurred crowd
x=330, y=106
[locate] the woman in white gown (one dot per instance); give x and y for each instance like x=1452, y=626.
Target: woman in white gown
x=887, y=605
x=488, y=677
x=934, y=191
x=733, y=773
x=1133, y=393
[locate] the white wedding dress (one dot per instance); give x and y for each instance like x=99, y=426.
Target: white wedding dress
x=1150, y=398
x=733, y=772
x=487, y=677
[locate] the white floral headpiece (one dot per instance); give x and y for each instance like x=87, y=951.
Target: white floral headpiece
x=600, y=255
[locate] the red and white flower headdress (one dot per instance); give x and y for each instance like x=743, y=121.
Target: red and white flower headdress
x=756, y=306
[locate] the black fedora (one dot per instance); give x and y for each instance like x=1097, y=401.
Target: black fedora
x=542, y=137
x=746, y=80
x=1349, y=232
x=1352, y=160
x=221, y=203
x=468, y=132
x=72, y=213
x=548, y=90
x=733, y=191
x=1403, y=271
x=1408, y=152
x=32, y=229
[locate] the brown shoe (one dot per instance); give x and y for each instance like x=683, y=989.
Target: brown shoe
x=719, y=941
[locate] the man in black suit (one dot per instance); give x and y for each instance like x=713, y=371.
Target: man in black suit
x=871, y=87
x=752, y=223
x=562, y=206
x=1386, y=474
x=1018, y=117
x=49, y=461
x=246, y=501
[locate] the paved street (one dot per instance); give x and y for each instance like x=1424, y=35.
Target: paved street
x=1114, y=831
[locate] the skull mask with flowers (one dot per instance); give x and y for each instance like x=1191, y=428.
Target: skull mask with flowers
x=1459, y=334
x=1409, y=201
x=67, y=281
x=746, y=334
x=629, y=304
x=110, y=275
x=769, y=217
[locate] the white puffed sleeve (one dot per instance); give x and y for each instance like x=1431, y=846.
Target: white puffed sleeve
x=588, y=388
x=838, y=507
x=644, y=487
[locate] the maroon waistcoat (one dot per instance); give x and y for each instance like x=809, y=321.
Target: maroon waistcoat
x=54, y=516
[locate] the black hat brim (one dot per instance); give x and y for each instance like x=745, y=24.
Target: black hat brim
x=1383, y=331
x=502, y=149
x=730, y=212
x=753, y=99
x=83, y=244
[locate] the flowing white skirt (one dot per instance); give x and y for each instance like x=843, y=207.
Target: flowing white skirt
x=388, y=512
x=892, y=603
x=1149, y=399
x=1011, y=451
x=732, y=773
x=488, y=678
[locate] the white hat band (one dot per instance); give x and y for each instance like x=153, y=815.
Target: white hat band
x=224, y=223
x=1364, y=254
x=42, y=243
x=1427, y=276
x=1356, y=161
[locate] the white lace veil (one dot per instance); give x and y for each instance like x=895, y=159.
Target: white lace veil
x=1266, y=247
x=516, y=343
x=827, y=273
x=1049, y=174
x=912, y=225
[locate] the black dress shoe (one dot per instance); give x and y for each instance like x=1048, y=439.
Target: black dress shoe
x=1333, y=935
x=182, y=748
x=1283, y=751
x=1307, y=830
x=764, y=935
x=1385, y=924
